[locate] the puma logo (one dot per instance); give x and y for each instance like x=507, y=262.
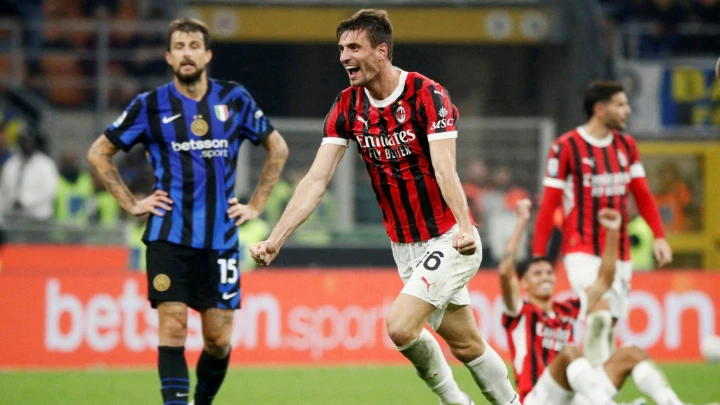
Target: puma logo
x=427, y=283
x=361, y=119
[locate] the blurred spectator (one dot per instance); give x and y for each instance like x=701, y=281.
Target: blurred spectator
x=103, y=209
x=75, y=188
x=641, y=239
x=706, y=11
x=661, y=42
x=500, y=201
x=673, y=197
x=29, y=182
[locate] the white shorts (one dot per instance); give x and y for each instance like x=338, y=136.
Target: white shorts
x=436, y=273
x=582, y=271
x=548, y=392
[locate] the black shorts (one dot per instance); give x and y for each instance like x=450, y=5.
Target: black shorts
x=201, y=278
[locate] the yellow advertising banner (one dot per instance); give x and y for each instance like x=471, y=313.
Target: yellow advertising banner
x=512, y=25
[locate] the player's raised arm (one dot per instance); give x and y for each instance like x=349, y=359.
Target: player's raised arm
x=100, y=158
x=277, y=156
x=611, y=220
x=509, y=285
x=305, y=199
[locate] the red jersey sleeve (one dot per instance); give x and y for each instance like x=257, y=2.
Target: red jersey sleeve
x=573, y=307
x=439, y=115
x=556, y=174
x=336, y=129
x=641, y=190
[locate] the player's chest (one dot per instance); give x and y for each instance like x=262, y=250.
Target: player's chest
x=385, y=133
x=551, y=326
x=194, y=120
x=603, y=171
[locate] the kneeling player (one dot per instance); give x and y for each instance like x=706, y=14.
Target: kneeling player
x=549, y=369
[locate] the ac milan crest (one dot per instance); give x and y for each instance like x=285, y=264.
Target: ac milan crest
x=400, y=114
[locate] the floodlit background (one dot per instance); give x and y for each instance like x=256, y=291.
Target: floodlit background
x=75, y=327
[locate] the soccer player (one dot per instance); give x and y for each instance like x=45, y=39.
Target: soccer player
x=192, y=129
x=596, y=166
x=548, y=367
x=405, y=128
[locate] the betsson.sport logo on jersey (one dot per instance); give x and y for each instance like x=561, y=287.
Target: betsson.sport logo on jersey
x=210, y=147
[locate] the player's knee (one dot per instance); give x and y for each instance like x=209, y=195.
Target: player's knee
x=467, y=351
x=217, y=345
x=632, y=355
x=173, y=332
x=401, y=334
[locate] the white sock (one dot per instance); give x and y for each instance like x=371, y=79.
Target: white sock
x=651, y=381
x=597, y=337
x=491, y=375
x=583, y=380
x=606, y=385
x=425, y=354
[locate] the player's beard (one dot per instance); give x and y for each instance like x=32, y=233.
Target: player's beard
x=191, y=78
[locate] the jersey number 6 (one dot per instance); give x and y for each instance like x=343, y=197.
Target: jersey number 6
x=432, y=262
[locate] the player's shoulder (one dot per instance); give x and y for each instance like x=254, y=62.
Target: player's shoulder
x=420, y=82
x=572, y=134
x=625, y=138
x=231, y=87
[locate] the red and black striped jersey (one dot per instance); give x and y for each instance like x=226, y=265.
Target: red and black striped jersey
x=393, y=138
x=535, y=337
x=594, y=174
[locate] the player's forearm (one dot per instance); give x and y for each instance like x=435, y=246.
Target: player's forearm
x=609, y=259
x=452, y=192
x=305, y=199
x=507, y=263
x=646, y=206
x=277, y=156
x=100, y=160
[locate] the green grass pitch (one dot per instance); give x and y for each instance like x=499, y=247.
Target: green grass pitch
x=361, y=385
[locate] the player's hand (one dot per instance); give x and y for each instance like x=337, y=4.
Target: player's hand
x=264, y=252
x=610, y=219
x=152, y=204
x=663, y=252
x=464, y=243
x=522, y=208
x=242, y=212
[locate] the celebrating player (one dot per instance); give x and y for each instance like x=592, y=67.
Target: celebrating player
x=405, y=128
x=596, y=165
x=549, y=369
x=192, y=129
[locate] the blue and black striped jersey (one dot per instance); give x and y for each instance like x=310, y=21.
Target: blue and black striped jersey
x=193, y=148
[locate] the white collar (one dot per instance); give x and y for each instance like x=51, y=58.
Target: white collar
x=393, y=96
x=600, y=143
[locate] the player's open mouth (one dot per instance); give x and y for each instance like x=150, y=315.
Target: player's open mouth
x=352, y=71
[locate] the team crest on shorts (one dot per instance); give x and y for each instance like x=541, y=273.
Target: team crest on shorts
x=401, y=114
x=199, y=126
x=161, y=282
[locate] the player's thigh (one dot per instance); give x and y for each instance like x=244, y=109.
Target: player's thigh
x=582, y=270
x=459, y=327
x=169, y=270
x=548, y=391
x=619, y=293
x=441, y=274
x=217, y=281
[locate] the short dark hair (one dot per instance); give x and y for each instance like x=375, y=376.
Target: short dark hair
x=599, y=92
x=524, y=265
x=188, y=25
x=375, y=23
